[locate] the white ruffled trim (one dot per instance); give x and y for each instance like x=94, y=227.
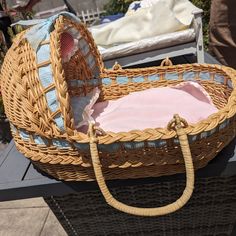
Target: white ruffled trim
x=88, y=110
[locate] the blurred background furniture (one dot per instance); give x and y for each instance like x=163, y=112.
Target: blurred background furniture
x=175, y=44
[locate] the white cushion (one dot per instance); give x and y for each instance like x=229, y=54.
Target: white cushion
x=148, y=44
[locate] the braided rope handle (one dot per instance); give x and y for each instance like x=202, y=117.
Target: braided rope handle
x=166, y=62
x=116, y=66
x=159, y=211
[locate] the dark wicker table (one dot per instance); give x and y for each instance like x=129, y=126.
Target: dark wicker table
x=82, y=210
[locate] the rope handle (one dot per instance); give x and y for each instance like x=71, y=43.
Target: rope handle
x=159, y=211
x=116, y=66
x=166, y=62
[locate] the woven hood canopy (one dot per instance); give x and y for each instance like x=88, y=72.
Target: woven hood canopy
x=37, y=99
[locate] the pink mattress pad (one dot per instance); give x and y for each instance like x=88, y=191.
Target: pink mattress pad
x=154, y=108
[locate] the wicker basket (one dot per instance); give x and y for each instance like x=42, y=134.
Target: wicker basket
x=38, y=106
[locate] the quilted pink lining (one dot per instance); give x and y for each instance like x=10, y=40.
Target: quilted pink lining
x=67, y=44
x=154, y=108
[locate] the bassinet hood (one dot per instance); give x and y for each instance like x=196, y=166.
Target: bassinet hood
x=41, y=28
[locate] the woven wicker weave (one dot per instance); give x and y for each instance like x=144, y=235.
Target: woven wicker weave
x=210, y=212
x=46, y=132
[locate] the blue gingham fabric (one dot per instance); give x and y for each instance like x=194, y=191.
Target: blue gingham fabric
x=39, y=32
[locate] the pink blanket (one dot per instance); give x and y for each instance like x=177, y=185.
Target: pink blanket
x=154, y=108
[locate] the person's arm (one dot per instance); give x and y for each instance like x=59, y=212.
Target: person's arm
x=31, y=4
x=3, y=5
x=28, y=7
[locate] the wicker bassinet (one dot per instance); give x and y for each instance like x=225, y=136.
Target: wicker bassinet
x=44, y=129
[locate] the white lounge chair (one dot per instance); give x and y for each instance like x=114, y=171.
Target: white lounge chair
x=180, y=43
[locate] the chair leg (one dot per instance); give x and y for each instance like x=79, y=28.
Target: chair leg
x=199, y=36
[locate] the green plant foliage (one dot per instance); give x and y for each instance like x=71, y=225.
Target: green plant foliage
x=17, y=29
x=114, y=7
x=3, y=50
x=205, y=5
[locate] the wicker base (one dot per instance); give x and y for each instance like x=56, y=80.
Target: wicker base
x=210, y=212
x=153, y=162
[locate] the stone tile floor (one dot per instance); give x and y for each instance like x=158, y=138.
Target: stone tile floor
x=29, y=217
x=2, y=147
